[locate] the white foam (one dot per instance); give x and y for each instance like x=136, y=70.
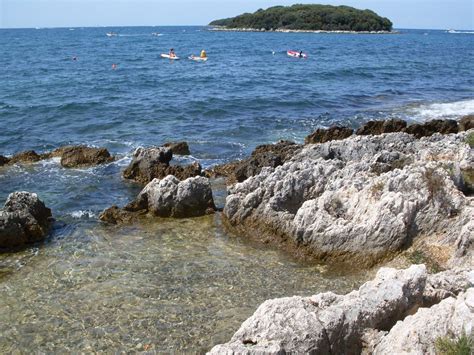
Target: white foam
x=433, y=111
x=460, y=32
x=83, y=214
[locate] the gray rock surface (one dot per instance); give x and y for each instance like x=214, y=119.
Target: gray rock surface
x=417, y=334
x=366, y=195
x=328, y=323
x=24, y=219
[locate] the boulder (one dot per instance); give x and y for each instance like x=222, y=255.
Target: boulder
x=23, y=220
x=153, y=163
x=80, y=156
x=4, y=160
x=381, y=127
x=429, y=128
x=29, y=156
x=168, y=197
x=326, y=135
x=178, y=148
x=419, y=333
x=466, y=123
x=327, y=201
x=328, y=323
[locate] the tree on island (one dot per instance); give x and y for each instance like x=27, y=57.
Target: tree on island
x=309, y=17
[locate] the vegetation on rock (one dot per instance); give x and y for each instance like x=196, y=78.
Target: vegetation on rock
x=309, y=17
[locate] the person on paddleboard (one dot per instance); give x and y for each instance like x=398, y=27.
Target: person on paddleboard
x=203, y=54
x=172, y=53
x=301, y=54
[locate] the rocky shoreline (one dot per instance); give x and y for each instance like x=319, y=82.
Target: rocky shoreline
x=360, y=197
x=282, y=30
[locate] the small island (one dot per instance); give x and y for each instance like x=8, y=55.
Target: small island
x=311, y=18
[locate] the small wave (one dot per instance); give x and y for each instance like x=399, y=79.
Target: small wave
x=87, y=214
x=460, y=32
x=441, y=110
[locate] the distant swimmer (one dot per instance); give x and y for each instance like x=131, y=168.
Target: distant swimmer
x=203, y=54
x=114, y=66
x=74, y=58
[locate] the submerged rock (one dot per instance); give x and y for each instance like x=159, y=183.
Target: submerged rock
x=168, y=197
x=429, y=128
x=80, y=156
x=178, y=148
x=466, y=123
x=329, y=202
x=29, y=156
x=322, y=135
x=23, y=220
x=153, y=163
x=381, y=127
x=328, y=323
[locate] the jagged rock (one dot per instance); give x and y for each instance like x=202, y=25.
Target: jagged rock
x=24, y=219
x=418, y=333
x=381, y=127
x=29, y=156
x=168, y=197
x=328, y=323
x=326, y=135
x=328, y=201
x=178, y=148
x=80, y=156
x=271, y=155
x=431, y=127
x=116, y=215
x=466, y=123
x=4, y=160
x=153, y=163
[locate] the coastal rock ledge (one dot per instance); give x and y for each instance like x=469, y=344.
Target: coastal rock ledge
x=362, y=198
x=363, y=321
x=23, y=220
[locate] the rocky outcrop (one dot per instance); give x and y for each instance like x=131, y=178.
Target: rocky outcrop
x=328, y=323
x=429, y=128
x=381, y=127
x=168, y=197
x=23, y=220
x=419, y=333
x=178, y=148
x=466, y=123
x=267, y=155
x=29, y=156
x=153, y=163
x=4, y=160
x=322, y=135
x=80, y=156
x=329, y=202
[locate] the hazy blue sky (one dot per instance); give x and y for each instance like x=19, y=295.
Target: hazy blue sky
x=442, y=14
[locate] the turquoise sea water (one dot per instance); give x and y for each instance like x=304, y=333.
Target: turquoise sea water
x=93, y=287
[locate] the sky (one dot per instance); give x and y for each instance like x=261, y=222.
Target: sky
x=425, y=14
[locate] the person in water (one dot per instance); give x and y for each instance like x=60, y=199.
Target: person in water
x=301, y=54
x=203, y=54
x=172, y=53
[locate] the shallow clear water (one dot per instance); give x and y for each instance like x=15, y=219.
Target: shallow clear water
x=188, y=284
x=164, y=285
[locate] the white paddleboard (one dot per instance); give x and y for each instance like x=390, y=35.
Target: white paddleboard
x=197, y=59
x=167, y=56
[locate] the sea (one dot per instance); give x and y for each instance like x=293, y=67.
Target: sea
x=183, y=285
